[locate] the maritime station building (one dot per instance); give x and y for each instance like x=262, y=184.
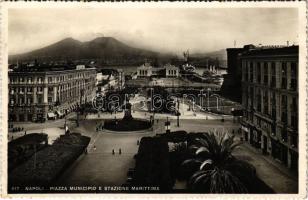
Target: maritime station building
x=270, y=101
x=48, y=93
x=146, y=70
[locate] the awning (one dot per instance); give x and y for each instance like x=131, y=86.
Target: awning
x=51, y=115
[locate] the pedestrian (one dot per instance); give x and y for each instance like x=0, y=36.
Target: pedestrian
x=120, y=151
x=137, y=142
x=112, y=151
x=25, y=132
x=94, y=148
x=85, y=151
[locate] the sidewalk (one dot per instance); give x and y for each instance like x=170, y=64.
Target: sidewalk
x=282, y=168
x=274, y=174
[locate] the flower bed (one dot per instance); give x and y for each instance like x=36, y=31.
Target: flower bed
x=46, y=165
x=21, y=149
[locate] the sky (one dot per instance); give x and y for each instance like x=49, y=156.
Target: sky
x=171, y=30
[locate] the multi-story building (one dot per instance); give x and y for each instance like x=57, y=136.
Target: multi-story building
x=270, y=99
x=146, y=70
x=231, y=87
x=42, y=94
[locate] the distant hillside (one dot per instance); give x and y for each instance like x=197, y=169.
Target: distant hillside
x=105, y=49
x=220, y=54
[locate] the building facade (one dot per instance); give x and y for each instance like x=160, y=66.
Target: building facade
x=171, y=71
x=231, y=87
x=270, y=100
x=36, y=95
x=146, y=70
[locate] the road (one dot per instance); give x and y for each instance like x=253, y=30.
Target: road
x=100, y=167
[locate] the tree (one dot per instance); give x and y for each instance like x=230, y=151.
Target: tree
x=216, y=169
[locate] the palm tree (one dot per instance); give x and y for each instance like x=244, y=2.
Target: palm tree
x=217, y=170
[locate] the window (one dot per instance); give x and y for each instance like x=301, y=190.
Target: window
x=294, y=113
x=39, y=79
x=251, y=97
x=39, y=99
x=284, y=134
x=21, y=100
x=258, y=72
x=265, y=73
x=12, y=91
x=251, y=72
x=50, y=89
x=247, y=71
x=284, y=109
x=273, y=74
x=273, y=105
x=258, y=100
x=12, y=101
x=29, y=79
x=294, y=141
x=265, y=102
x=273, y=128
x=284, y=75
x=293, y=85
x=29, y=100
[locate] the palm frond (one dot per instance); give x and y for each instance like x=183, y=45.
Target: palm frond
x=191, y=161
x=201, y=150
x=206, y=162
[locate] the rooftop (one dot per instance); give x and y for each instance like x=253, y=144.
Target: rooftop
x=271, y=50
x=31, y=67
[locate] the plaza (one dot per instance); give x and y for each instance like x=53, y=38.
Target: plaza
x=100, y=167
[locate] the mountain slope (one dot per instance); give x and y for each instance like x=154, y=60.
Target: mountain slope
x=220, y=54
x=99, y=48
